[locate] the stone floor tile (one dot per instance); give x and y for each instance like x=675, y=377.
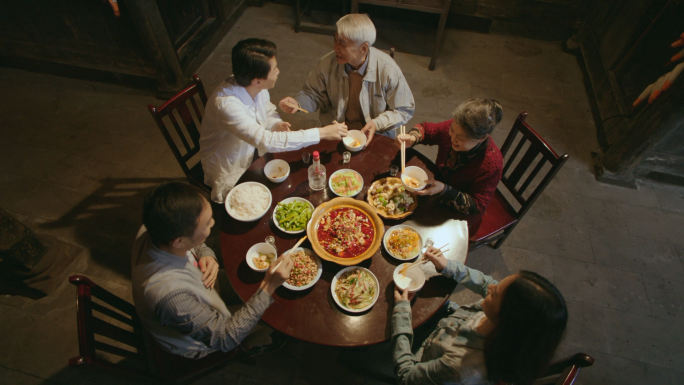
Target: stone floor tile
x=552, y=238
x=644, y=197
x=14, y=377
x=666, y=296
x=599, y=285
x=580, y=210
x=638, y=255
x=670, y=198
x=586, y=328
x=654, y=224
x=521, y=259
x=646, y=339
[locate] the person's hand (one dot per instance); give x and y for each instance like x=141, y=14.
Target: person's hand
x=335, y=131
x=284, y=105
x=433, y=187
x=402, y=294
x=369, y=131
x=278, y=273
x=281, y=126
x=435, y=256
x=410, y=140
x=209, y=267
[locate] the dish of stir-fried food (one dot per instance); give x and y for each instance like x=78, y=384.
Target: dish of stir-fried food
x=390, y=197
x=355, y=289
x=346, y=182
x=304, y=269
x=345, y=232
x=404, y=243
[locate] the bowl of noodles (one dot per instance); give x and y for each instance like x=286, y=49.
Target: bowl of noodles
x=403, y=242
x=355, y=289
x=345, y=231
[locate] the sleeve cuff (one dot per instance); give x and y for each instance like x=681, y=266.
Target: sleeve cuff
x=450, y=269
x=312, y=135
x=261, y=301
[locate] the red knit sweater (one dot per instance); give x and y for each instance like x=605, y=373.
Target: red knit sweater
x=478, y=178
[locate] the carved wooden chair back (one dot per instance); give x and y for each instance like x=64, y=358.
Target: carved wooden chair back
x=186, y=127
x=520, y=174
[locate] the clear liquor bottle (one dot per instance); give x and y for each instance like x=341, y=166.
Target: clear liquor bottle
x=317, y=173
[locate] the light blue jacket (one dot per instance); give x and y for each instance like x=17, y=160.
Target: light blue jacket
x=453, y=353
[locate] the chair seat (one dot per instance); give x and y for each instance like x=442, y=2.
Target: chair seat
x=498, y=216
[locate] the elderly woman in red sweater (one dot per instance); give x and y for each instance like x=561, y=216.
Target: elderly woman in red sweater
x=469, y=162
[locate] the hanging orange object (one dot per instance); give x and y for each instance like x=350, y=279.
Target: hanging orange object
x=673, y=75
x=677, y=56
x=115, y=6
x=644, y=94
x=678, y=43
x=657, y=88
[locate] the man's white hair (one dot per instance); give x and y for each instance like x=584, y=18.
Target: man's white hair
x=356, y=27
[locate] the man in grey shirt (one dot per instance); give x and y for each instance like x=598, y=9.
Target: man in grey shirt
x=356, y=83
x=174, y=273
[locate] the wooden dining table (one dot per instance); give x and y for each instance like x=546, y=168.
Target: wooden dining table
x=312, y=315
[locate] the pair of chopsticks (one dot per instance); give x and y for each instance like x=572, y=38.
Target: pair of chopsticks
x=295, y=246
x=296, y=107
x=421, y=260
x=403, y=149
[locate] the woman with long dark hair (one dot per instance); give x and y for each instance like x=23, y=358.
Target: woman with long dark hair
x=509, y=336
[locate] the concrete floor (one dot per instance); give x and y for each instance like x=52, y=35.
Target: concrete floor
x=76, y=158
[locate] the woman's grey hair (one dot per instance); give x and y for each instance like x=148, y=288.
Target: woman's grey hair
x=356, y=27
x=478, y=117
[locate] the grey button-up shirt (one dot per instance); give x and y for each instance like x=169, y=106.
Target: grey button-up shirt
x=385, y=96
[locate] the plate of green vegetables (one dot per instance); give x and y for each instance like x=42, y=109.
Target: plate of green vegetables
x=291, y=215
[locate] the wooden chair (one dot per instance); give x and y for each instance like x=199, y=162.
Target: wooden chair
x=500, y=217
x=142, y=356
x=179, y=103
x=565, y=372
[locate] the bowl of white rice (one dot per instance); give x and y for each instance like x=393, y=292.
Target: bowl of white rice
x=248, y=201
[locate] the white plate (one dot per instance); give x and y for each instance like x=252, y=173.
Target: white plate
x=340, y=172
x=333, y=285
x=389, y=232
x=234, y=215
x=288, y=200
x=318, y=274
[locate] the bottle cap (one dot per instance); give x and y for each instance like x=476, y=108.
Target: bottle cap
x=316, y=155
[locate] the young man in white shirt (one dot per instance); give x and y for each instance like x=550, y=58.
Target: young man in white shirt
x=240, y=117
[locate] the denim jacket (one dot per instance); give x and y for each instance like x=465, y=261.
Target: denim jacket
x=453, y=353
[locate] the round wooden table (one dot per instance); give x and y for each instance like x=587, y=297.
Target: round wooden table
x=312, y=315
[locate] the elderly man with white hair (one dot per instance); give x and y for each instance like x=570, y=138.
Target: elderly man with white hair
x=356, y=83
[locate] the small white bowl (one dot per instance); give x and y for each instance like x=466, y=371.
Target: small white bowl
x=288, y=200
x=340, y=172
x=333, y=285
x=232, y=212
x=415, y=273
x=352, y=136
x=254, y=251
x=277, y=170
x=318, y=274
x=388, y=233
x=416, y=173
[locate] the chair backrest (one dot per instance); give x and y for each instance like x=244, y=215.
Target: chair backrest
x=518, y=173
x=190, y=137
x=90, y=325
x=565, y=372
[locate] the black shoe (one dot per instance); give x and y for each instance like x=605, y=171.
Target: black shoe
x=275, y=341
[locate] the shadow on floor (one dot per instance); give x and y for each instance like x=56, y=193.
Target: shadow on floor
x=106, y=221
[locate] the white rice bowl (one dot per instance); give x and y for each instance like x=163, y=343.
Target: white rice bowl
x=248, y=201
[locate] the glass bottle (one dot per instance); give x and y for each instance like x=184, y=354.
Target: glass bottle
x=317, y=173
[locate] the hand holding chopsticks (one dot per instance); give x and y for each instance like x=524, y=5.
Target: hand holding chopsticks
x=275, y=276
x=290, y=105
